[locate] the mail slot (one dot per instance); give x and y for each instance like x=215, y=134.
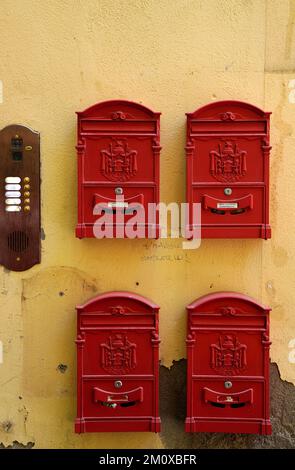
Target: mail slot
x=118, y=170
x=117, y=364
x=228, y=148
x=228, y=365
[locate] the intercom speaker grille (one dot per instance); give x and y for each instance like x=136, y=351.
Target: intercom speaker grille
x=18, y=241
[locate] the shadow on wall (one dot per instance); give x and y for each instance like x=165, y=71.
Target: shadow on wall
x=173, y=413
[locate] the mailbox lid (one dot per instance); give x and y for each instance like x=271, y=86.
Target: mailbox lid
x=117, y=115
x=117, y=307
x=229, y=305
x=228, y=117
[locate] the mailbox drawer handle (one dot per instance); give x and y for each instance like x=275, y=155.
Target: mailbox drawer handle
x=234, y=400
x=121, y=203
x=122, y=398
x=228, y=206
x=112, y=400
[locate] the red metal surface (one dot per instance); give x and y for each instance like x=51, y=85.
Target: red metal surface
x=228, y=149
x=118, y=364
x=228, y=365
x=118, y=150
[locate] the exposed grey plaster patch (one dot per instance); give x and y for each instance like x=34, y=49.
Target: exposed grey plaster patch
x=6, y=271
x=62, y=368
x=173, y=412
x=43, y=236
x=17, y=445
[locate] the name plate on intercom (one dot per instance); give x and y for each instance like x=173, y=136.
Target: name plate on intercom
x=20, y=191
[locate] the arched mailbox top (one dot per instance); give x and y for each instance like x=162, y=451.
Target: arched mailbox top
x=229, y=111
x=118, y=110
x=117, y=301
x=220, y=298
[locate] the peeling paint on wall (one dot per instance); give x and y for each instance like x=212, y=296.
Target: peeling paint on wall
x=17, y=445
x=173, y=413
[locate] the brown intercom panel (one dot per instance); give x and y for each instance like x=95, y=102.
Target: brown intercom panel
x=20, y=197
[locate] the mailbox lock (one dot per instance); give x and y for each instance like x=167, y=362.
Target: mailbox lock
x=228, y=191
x=228, y=384
x=118, y=384
x=118, y=191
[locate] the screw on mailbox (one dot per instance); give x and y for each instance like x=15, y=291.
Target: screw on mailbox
x=119, y=191
x=228, y=191
x=228, y=384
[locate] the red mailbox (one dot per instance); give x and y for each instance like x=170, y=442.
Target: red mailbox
x=118, y=364
x=228, y=169
x=118, y=167
x=228, y=365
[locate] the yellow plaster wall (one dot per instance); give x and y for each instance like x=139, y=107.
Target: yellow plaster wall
x=60, y=56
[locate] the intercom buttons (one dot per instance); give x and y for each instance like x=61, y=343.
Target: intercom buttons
x=12, y=194
x=12, y=187
x=13, y=208
x=12, y=179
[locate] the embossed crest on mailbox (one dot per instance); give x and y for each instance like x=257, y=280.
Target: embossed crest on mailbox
x=118, y=364
x=228, y=365
x=228, y=169
x=118, y=167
